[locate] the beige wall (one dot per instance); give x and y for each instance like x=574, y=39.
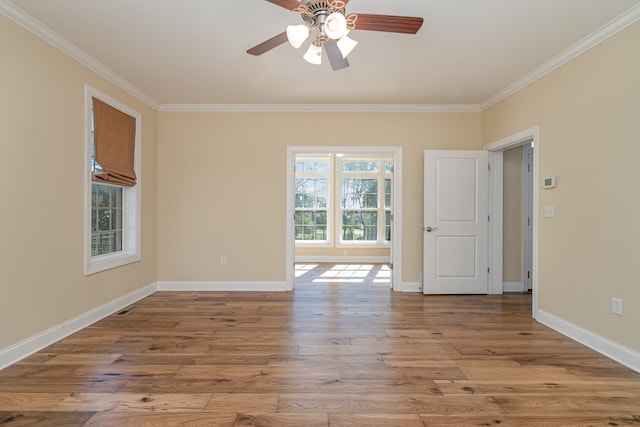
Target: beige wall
x=512, y=216
x=41, y=182
x=223, y=176
x=588, y=112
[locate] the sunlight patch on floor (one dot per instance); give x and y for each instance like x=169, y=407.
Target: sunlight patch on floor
x=302, y=269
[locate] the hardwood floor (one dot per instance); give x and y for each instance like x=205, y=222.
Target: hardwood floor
x=341, y=350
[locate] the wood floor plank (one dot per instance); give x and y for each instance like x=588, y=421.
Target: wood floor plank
x=400, y=374
x=136, y=402
x=530, y=421
x=30, y=401
x=167, y=419
x=386, y=404
x=326, y=354
x=242, y=402
x=359, y=420
x=532, y=373
x=44, y=418
x=281, y=420
x=568, y=405
x=500, y=387
x=70, y=384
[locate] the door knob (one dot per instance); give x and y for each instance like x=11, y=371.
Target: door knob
x=429, y=229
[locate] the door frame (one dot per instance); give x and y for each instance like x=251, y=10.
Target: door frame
x=496, y=149
x=527, y=215
x=396, y=206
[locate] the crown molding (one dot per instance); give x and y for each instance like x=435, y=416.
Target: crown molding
x=26, y=21
x=595, y=38
x=56, y=40
x=322, y=108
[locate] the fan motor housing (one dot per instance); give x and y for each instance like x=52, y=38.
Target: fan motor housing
x=318, y=10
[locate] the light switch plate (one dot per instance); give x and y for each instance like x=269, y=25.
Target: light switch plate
x=549, y=211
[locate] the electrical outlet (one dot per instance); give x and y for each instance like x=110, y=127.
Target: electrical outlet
x=616, y=306
x=224, y=260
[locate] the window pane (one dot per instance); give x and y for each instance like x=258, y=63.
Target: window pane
x=311, y=192
x=321, y=218
x=103, y=194
x=387, y=166
x=311, y=166
x=359, y=225
x=387, y=231
x=360, y=166
x=387, y=194
x=106, y=219
x=359, y=193
x=311, y=225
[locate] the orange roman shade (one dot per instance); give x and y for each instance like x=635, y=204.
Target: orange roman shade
x=114, y=137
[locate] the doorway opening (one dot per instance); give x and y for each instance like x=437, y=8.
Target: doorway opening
x=496, y=250
x=344, y=207
x=518, y=219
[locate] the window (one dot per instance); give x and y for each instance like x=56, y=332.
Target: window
x=360, y=190
x=112, y=218
x=365, y=200
x=312, y=200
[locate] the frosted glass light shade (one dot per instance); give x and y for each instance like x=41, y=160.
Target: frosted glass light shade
x=346, y=45
x=335, y=26
x=314, y=54
x=297, y=34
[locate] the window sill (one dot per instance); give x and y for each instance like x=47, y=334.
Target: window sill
x=107, y=262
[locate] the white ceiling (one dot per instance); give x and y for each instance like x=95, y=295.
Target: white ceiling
x=193, y=52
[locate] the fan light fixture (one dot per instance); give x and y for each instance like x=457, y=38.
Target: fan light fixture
x=335, y=26
x=297, y=34
x=314, y=54
x=330, y=22
x=346, y=45
x=328, y=19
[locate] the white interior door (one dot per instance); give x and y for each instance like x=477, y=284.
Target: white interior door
x=455, y=222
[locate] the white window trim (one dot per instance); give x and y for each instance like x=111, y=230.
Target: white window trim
x=329, y=175
x=131, y=195
x=380, y=176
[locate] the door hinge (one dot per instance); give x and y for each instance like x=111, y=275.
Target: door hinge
x=489, y=166
x=488, y=270
x=488, y=218
x=528, y=275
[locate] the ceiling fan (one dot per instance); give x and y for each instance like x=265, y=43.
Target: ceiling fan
x=328, y=19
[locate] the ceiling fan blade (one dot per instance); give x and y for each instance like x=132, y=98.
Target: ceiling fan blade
x=389, y=23
x=267, y=45
x=287, y=4
x=335, y=56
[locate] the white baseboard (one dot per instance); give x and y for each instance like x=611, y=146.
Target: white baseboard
x=27, y=347
x=513, y=287
x=612, y=350
x=409, y=287
x=223, y=286
x=345, y=259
